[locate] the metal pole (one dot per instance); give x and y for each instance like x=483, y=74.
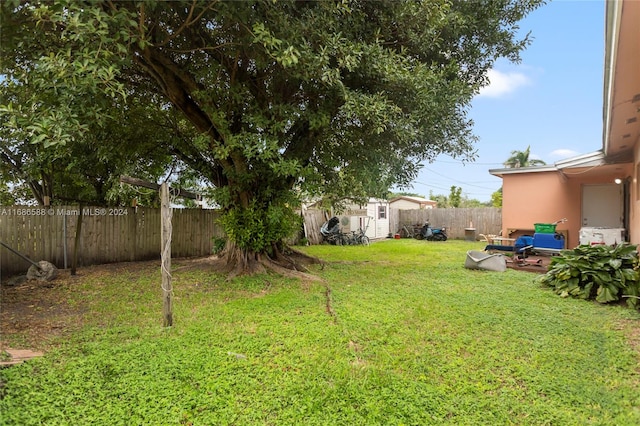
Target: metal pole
x=20, y=254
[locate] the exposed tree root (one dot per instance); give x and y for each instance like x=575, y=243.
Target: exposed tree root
x=296, y=259
x=286, y=262
x=329, y=304
x=290, y=273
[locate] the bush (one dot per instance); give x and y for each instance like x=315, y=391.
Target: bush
x=603, y=273
x=219, y=244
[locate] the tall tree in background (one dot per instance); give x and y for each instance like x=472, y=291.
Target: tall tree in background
x=344, y=98
x=496, y=198
x=455, y=196
x=521, y=159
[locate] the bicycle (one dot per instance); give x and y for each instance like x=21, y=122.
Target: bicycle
x=360, y=237
x=354, y=238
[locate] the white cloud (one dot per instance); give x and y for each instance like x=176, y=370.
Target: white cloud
x=563, y=153
x=501, y=83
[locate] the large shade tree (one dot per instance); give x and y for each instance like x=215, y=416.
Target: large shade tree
x=286, y=97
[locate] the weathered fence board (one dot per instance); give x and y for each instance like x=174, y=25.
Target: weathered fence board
x=313, y=220
x=107, y=235
x=485, y=220
x=394, y=221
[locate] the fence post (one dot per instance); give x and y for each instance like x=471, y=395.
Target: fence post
x=165, y=221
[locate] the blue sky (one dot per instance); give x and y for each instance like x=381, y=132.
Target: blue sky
x=551, y=101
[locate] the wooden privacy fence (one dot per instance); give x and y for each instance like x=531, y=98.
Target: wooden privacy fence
x=485, y=220
x=107, y=235
x=313, y=220
x=130, y=234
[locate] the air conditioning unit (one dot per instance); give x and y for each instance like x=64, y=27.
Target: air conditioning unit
x=601, y=236
x=345, y=222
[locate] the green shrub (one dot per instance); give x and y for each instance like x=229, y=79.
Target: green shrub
x=603, y=273
x=256, y=227
x=218, y=244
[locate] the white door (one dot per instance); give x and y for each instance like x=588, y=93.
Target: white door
x=602, y=206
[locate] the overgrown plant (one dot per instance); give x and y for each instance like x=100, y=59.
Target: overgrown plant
x=218, y=244
x=603, y=273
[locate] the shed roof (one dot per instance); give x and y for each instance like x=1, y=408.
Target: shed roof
x=419, y=200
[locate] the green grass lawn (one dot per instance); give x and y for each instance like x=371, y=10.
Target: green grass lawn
x=406, y=336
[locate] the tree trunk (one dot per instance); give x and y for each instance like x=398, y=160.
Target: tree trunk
x=236, y=261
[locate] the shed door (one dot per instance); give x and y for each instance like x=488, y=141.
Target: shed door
x=602, y=206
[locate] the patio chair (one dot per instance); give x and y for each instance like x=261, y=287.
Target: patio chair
x=488, y=238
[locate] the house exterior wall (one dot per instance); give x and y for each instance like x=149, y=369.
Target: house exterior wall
x=530, y=198
x=546, y=197
x=634, y=198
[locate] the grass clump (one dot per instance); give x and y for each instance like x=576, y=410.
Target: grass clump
x=413, y=338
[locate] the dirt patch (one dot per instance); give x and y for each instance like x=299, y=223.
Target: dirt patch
x=35, y=314
x=537, y=264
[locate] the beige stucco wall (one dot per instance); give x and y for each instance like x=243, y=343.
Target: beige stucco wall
x=530, y=198
x=546, y=197
x=634, y=203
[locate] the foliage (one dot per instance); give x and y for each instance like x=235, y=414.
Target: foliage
x=461, y=347
x=496, y=198
x=129, y=140
x=455, y=199
x=521, y=159
x=254, y=227
x=455, y=196
x=219, y=244
x=341, y=99
x=6, y=196
x=599, y=272
x=442, y=200
x=466, y=202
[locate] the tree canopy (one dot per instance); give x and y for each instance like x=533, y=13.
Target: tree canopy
x=521, y=159
x=279, y=98
x=87, y=169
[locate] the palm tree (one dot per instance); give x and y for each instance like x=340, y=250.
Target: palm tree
x=521, y=159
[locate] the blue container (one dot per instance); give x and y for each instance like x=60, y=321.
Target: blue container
x=552, y=241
